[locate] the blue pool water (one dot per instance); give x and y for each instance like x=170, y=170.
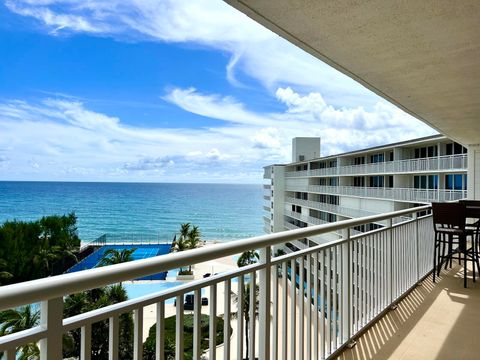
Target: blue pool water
x=141, y=252
x=139, y=289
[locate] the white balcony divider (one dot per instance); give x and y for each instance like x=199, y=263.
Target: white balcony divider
x=310, y=304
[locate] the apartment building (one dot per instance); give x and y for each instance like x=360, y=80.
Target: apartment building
x=314, y=190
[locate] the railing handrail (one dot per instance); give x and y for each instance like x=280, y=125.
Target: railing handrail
x=61, y=285
x=385, y=166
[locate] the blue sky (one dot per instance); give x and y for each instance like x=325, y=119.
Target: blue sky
x=168, y=91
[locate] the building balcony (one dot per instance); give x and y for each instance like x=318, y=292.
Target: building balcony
x=332, y=208
x=434, y=321
x=316, y=313
x=425, y=165
x=266, y=220
x=398, y=194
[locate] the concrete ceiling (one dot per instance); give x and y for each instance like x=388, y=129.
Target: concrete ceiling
x=423, y=56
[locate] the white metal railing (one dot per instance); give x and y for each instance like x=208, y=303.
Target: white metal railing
x=337, y=209
x=301, y=314
x=401, y=194
x=446, y=162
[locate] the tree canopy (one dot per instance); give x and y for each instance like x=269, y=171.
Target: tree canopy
x=35, y=249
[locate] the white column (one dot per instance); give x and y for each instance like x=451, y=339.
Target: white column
x=51, y=316
x=473, y=178
x=264, y=305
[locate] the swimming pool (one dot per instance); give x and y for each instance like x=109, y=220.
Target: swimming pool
x=141, y=252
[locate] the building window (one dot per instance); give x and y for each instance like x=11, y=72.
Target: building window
x=390, y=181
x=427, y=151
x=455, y=182
x=377, y=158
x=376, y=181
x=360, y=160
x=358, y=181
x=425, y=182
x=455, y=149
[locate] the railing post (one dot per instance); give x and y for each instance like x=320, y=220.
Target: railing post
x=264, y=305
x=417, y=246
x=86, y=342
x=51, y=317
x=390, y=260
x=346, y=287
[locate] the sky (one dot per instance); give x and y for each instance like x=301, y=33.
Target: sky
x=168, y=91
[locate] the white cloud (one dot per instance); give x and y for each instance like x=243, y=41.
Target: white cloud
x=61, y=139
x=254, y=50
x=213, y=106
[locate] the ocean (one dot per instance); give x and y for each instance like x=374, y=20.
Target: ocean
x=222, y=211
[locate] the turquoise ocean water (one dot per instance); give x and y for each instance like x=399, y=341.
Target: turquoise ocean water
x=223, y=212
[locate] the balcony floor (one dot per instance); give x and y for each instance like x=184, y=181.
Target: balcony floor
x=435, y=321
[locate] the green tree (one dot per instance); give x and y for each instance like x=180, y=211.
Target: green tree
x=94, y=299
x=193, y=238
x=248, y=258
x=44, y=259
x=246, y=312
x=184, y=230
x=115, y=256
x=169, y=338
x=35, y=249
x=4, y=275
x=189, y=238
x=15, y=320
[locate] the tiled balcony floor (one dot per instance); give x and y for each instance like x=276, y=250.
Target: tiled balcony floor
x=435, y=321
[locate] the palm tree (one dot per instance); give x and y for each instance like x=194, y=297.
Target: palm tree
x=248, y=258
x=180, y=245
x=114, y=256
x=15, y=320
x=45, y=257
x=194, y=237
x=246, y=312
x=184, y=230
x=189, y=239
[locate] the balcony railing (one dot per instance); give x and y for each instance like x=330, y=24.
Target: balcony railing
x=400, y=194
x=301, y=314
x=447, y=162
x=332, y=208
